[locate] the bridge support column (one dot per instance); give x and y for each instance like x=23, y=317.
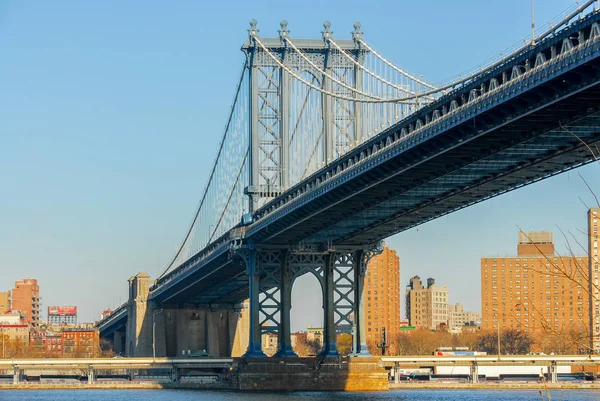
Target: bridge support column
x=396, y=371
x=254, y=344
x=16, y=375
x=139, y=322
x=553, y=370
x=474, y=373
x=119, y=343
x=329, y=338
x=360, y=336
x=175, y=374
x=285, y=287
x=90, y=375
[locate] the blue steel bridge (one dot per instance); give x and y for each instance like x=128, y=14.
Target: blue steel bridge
x=330, y=148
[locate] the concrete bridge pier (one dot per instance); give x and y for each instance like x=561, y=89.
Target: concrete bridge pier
x=202, y=328
x=175, y=330
x=175, y=375
x=139, y=337
x=16, y=375
x=474, y=373
x=553, y=372
x=119, y=339
x=91, y=375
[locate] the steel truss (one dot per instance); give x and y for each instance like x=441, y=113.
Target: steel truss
x=279, y=110
x=340, y=273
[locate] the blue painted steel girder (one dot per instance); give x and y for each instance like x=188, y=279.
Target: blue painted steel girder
x=545, y=106
x=405, y=211
x=114, y=322
x=208, y=273
x=479, y=170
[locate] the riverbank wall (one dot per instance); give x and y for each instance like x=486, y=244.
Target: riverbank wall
x=227, y=386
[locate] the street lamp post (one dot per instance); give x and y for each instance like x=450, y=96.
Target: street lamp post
x=154, y=333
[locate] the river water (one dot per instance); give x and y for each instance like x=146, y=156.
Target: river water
x=196, y=395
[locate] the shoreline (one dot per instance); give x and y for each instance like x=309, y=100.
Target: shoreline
x=114, y=386
x=495, y=386
x=225, y=386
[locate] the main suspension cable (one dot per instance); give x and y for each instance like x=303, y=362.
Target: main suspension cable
x=406, y=74
x=336, y=95
x=371, y=73
x=341, y=83
x=212, y=173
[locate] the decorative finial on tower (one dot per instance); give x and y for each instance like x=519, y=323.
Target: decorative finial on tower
x=327, y=32
x=357, y=34
x=283, y=32
x=252, y=32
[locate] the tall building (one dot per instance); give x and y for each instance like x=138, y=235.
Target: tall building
x=594, y=289
x=26, y=299
x=457, y=317
x=426, y=307
x=382, y=284
x=4, y=302
x=538, y=292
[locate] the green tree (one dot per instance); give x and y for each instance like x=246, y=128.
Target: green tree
x=344, y=343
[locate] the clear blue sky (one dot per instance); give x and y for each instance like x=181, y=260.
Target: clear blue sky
x=111, y=112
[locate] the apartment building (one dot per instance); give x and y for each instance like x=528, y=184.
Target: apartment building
x=382, y=303
x=537, y=291
x=426, y=307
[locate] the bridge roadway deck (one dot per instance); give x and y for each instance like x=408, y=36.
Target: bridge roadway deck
x=386, y=361
x=491, y=360
x=529, y=128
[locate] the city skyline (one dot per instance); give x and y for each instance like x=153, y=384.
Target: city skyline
x=89, y=200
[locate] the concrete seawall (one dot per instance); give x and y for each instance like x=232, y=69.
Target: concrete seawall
x=114, y=386
x=226, y=386
x=494, y=386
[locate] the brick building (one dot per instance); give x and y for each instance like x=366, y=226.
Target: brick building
x=46, y=342
x=594, y=289
x=80, y=342
x=5, y=302
x=382, y=301
x=26, y=299
x=536, y=291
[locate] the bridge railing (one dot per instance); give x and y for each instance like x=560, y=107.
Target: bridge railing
x=115, y=314
x=443, y=112
x=222, y=243
x=541, y=32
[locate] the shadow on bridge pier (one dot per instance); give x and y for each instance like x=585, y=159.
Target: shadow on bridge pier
x=309, y=374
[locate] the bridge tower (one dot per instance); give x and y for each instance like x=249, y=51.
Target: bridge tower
x=280, y=105
x=287, y=117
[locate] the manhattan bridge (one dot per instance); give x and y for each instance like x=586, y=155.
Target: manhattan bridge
x=328, y=149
